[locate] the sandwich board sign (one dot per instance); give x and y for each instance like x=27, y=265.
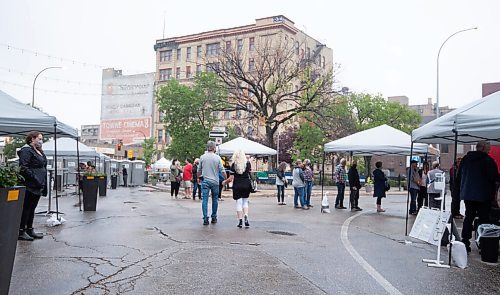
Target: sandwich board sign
x=430, y=225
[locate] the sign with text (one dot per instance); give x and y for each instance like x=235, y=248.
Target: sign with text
x=128, y=130
x=429, y=227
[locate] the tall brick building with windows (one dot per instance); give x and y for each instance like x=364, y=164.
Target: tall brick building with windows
x=183, y=57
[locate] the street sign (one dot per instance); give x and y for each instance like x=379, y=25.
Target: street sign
x=130, y=154
x=213, y=134
x=219, y=129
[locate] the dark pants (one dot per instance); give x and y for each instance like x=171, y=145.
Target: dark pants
x=473, y=209
x=174, y=188
x=196, y=188
x=339, y=201
x=281, y=193
x=379, y=200
x=354, y=197
x=422, y=197
x=455, y=204
x=30, y=203
x=125, y=178
x=413, y=201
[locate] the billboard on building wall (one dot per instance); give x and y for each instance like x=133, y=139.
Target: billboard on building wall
x=127, y=108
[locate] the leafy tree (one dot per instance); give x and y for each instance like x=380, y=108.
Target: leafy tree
x=149, y=150
x=189, y=113
x=286, y=147
x=10, y=148
x=309, y=143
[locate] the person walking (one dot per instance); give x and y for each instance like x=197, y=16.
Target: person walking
x=309, y=177
x=477, y=175
x=187, y=177
x=355, y=186
x=239, y=173
x=414, y=181
x=341, y=177
x=196, y=186
x=432, y=192
x=33, y=168
x=281, y=183
x=175, y=178
x=455, y=197
x=299, y=186
x=209, y=167
x=422, y=197
x=379, y=185
x=124, y=174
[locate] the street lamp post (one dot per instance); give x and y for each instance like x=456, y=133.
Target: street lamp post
x=34, y=81
x=437, y=72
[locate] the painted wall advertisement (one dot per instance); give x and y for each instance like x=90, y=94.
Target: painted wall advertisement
x=127, y=108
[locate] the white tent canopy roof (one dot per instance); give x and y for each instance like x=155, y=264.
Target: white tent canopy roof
x=66, y=147
x=378, y=141
x=476, y=121
x=17, y=119
x=247, y=146
x=162, y=164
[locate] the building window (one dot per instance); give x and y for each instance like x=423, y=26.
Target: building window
x=165, y=74
x=227, y=115
x=215, y=114
x=178, y=54
x=212, y=67
x=308, y=53
x=188, y=72
x=251, y=64
x=302, y=54
x=188, y=53
x=213, y=49
x=324, y=63
x=160, y=136
x=228, y=46
x=198, y=69
x=444, y=149
x=177, y=73
x=249, y=131
x=198, y=51
x=251, y=44
x=238, y=114
x=240, y=44
x=297, y=47
x=165, y=55
x=319, y=60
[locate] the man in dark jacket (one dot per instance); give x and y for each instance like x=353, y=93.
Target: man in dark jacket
x=354, y=185
x=125, y=176
x=196, y=186
x=477, y=177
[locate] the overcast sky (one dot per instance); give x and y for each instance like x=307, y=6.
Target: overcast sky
x=384, y=46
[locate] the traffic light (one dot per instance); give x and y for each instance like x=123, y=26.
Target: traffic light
x=119, y=145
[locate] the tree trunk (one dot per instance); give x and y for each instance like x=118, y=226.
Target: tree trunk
x=272, y=163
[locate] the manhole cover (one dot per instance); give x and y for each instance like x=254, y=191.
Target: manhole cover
x=283, y=233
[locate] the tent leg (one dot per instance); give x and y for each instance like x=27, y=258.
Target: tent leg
x=55, y=170
x=79, y=176
x=444, y=198
x=323, y=174
x=408, y=188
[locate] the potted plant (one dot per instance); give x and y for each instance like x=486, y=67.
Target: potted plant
x=11, y=207
x=369, y=185
x=154, y=179
x=90, y=187
x=114, y=180
x=102, y=180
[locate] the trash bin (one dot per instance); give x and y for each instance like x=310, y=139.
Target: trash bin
x=488, y=238
x=114, y=181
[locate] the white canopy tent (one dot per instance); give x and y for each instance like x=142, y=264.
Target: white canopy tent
x=67, y=148
x=247, y=146
x=378, y=141
x=162, y=164
x=17, y=119
x=476, y=121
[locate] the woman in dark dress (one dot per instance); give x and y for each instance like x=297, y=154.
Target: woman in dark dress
x=379, y=181
x=240, y=176
x=33, y=166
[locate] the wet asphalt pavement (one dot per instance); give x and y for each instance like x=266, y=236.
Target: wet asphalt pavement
x=140, y=241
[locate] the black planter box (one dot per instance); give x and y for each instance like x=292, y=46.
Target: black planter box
x=11, y=207
x=89, y=187
x=103, y=185
x=114, y=181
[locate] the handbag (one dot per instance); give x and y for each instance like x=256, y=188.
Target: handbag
x=253, y=185
x=387, y=185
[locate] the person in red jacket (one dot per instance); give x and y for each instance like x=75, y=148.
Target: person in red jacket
x=187, y=178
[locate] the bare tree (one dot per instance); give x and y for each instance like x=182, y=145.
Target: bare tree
x=274, y=82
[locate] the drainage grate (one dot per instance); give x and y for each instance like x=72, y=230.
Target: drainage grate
x=283, y=233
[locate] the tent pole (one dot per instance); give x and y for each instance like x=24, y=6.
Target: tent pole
x=444, y=198
x=323, y=174
x=78, y=169
x=408, y=188
x=55, y=169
